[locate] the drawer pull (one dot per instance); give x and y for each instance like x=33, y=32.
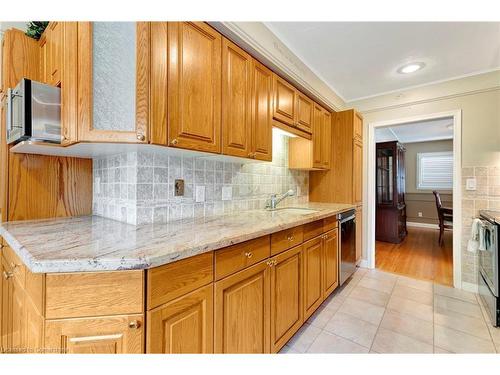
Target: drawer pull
x=290, y=238
x=269, y=263
x=140, y=137
x=174, y=141
x=7, y=275
x=249, y=254
x=134, y=324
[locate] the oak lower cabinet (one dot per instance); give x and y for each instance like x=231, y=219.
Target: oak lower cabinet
x=359, y=233
x=312, y=273
x=97, y=335
x=242, y=301
x=330, y=261
x=286, y=297
x=184, y=325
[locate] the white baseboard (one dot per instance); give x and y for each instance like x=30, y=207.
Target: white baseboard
x=421, y=225
x=470, y=287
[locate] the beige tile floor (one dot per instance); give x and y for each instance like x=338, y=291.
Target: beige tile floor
x=380, y=312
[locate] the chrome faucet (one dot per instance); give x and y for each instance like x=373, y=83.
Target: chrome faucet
x=274, y=200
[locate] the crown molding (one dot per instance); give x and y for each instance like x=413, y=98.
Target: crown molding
x=272, y=51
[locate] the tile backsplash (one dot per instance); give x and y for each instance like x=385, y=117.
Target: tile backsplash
x=485, y=197
x=138, y=187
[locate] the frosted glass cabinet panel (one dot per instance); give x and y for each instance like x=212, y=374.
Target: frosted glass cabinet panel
x=114, y=75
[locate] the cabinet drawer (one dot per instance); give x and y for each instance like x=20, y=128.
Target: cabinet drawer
x=313, y=229
x=286, y=239
x=330, y=223
x=15, y=265
x=71, y=295
x=173, y=280
x=240, y=256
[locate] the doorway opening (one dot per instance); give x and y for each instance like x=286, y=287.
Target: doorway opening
x=414, y=197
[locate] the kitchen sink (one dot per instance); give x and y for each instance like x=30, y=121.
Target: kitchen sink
x=295, y=210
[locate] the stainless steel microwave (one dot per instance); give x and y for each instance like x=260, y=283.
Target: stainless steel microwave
x=33, y=112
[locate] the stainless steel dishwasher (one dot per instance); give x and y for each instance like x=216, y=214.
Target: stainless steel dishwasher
x=347, y=221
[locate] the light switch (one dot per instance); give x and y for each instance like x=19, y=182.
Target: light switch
x=470, y=184
x=200, y=193
x=227, y=193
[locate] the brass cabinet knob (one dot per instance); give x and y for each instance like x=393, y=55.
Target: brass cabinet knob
x=249, y=254
x=134, y=324
x=174, y=141
x=290, y=238
x=7, y=275
x=140, y=137
x=269, y=263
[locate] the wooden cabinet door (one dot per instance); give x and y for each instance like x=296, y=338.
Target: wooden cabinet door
x=359, y=233
x=330, y=262
x=286, y=297
x=317, y=136
x=242, y=311
x=357, y=171
x=358, y=126
x=262, y=112
x=326, y=139
x=6, y=306
x=184, y=325
x=33, y=327
x=44, y=57
x=312, y=274
x=285, y=103
x=304, y=112
x=236, y=100
x=54, y=45
x=17, y=327
x=194, y=86
x=120, y=334
x=108, y=64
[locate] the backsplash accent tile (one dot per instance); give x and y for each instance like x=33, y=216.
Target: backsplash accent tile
x=138, y=187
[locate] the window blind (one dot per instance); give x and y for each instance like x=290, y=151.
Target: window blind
x=435, y=170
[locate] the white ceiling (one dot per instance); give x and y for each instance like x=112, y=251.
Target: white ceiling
x=421, y=131
x=360, y=59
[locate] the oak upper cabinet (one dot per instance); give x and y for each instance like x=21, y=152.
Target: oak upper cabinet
x=330, y=261
x=312, y=275
x=113, y=81
x=357, y=171
x=304, y=112
x=285, y=101
x=184, y=325
x=317, y=137
x=242, y=300
x=326, y=139
x=51, y=48
x=194, y=86
x=237, y=69
x=262, y=112
x=286, y=296
x=118, y=334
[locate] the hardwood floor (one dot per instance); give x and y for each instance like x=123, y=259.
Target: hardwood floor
x=418, y=256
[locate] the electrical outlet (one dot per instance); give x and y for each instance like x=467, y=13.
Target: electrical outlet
x=200, y=193
x=470, y=184
x=420, y=214
x=227, y=193
x=179, y=188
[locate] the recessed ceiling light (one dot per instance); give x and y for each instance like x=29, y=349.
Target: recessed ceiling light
x=411, y=68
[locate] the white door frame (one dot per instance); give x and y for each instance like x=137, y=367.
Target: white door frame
x=457, y=185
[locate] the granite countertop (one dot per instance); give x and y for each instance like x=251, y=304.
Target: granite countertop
x=93, y=243
x=495, y=215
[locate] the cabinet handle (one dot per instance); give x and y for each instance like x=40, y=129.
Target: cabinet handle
x=7, y=275
x=134, y=324
x=174, y=141
x=270, y=263
x=249, y=254
x=251, y=155
x=290, y=238
x=140, y=137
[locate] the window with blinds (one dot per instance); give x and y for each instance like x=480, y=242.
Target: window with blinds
x=435, y=170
